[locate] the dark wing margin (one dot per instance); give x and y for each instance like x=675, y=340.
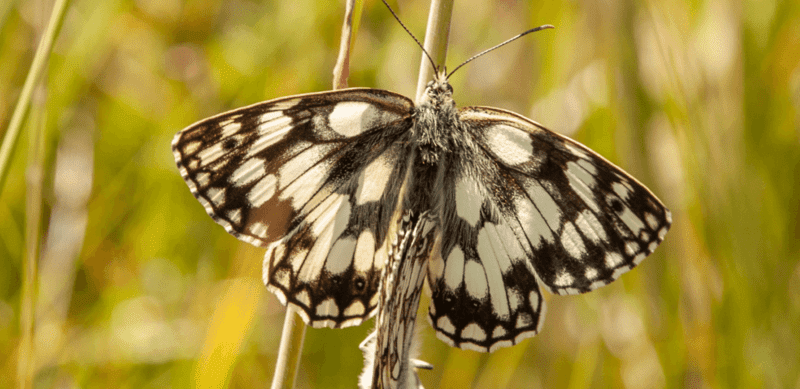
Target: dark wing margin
x=310, y=177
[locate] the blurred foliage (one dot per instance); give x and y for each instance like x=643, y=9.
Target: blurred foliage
x=139, y=288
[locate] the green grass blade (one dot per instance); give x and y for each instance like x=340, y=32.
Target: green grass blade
x=34, y=74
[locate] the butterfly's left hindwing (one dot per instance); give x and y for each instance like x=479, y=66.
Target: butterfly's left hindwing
x=313, y=177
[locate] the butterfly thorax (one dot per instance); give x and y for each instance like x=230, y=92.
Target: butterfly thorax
x=437, y=121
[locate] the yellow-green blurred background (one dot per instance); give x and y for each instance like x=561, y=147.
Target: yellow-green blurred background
x=139, y=288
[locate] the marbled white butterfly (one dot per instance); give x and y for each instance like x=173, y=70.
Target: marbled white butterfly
x=322, y=180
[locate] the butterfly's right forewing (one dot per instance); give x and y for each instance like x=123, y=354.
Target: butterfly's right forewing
x=313, y=177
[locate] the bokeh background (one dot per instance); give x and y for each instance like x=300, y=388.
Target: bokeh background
x=139, y=288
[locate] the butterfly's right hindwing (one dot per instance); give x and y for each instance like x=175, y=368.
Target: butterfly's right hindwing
x=313, y=177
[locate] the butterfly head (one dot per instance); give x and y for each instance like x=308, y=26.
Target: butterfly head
x=439, y=93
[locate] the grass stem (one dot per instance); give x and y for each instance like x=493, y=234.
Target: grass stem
x=436, y=37
x=34, y=74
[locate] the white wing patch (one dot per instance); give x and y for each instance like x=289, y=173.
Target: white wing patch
x=262, y=191
x=496, y=262
x=475, y=279
x=572, y=242
x=375, y=177
x=468, y=200
x=516, y=145
x=351, y=118
x=590, y=227
x=544, y=202
x=454, y=270
x=271, y=131
x=251, y=170
x=339, y=258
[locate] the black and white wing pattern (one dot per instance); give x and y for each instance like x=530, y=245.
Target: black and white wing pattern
x=316, y=179
x=530, y=207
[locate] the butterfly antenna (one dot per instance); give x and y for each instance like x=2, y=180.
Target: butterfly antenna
x=433, y=65
x=546, y=26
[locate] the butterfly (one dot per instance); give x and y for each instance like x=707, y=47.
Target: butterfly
x=322, y=180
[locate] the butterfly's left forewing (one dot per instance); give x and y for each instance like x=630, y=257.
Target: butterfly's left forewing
x=315, y=178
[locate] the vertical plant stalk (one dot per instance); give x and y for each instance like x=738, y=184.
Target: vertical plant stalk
x=290, y=349
x=26, y=362
x=35, y=72
x=437, y=35
x=294, y=331
x=352, y=16
x=34, y=177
